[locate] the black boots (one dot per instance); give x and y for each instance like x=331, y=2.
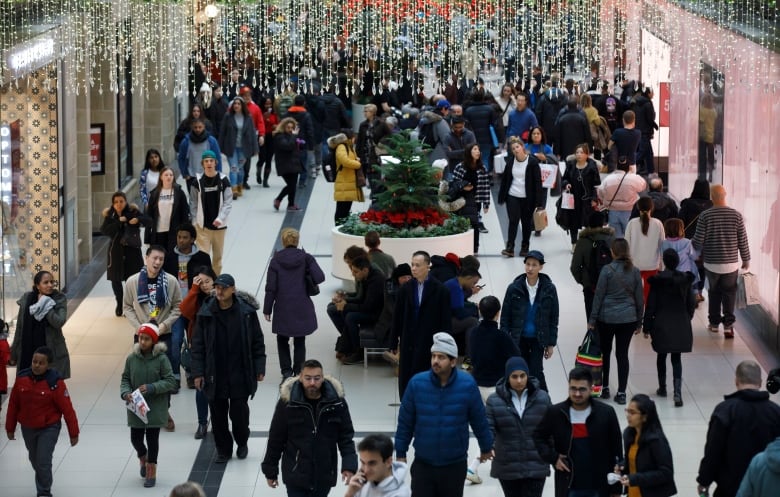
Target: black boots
x=509, y=251
x=661, y=385
x=678, y=402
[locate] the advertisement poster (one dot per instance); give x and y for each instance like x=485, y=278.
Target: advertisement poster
x=97, y=152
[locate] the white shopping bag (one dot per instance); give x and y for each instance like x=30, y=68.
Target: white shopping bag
x=499, y=162
x=567, y=201
x=548, y=175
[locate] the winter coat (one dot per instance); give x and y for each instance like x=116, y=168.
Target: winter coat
x=371, y=298
x=383, y=328
x=763, y=474
x=138, y=313
x=180, y=214
x=190, y=166
x=336, y=116
x=415, y=324
x=690, y=208
x=489, y=349
x=228, y=136
x=345, y=187
x=438, y=418
x=285, y=292
x=392, y=486
x=123, y=260
x=618, y=297
x=533, y=182
x=740, y=427
x=516, y=454
x=645, y=115
x=515, y=307
x=583, y=252
x=40, y=402
x=482, y=116
x=621, y=196
x=197, y=191
x=441, y=131
x=303, y=118
x=456, y=145
x=370, y=134
x=154, y=371
x=306, y=439
x=664, y=206
x=572, y=129
x=584, y=190
x=286, y=154
x=55, y=339
x=252, y=358
x=654, y=466
x=198, y=259
x=553, y=436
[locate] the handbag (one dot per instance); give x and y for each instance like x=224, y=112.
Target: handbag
x=540, y=219
x=589, y=357
x=360, y=179
x=131, y=237
x=186, y=354
x=747, y=291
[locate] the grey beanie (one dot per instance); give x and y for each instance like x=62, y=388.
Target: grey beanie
x=444, y=343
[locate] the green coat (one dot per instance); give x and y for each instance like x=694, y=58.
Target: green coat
x=153, y=370
x=55, y=340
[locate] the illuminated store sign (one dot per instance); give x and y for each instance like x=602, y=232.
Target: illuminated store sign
x=6, y=171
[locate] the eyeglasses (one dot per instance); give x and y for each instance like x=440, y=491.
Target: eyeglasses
x=579, y=389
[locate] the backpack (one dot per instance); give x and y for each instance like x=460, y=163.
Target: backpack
x=285, y=102
x=600, y=256
x=329, y=168
x=427, y=134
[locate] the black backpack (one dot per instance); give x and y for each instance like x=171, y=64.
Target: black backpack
x=427, y=134
x=329, y=168
x=600, y=256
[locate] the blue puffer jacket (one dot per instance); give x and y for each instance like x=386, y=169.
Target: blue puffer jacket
x=439, y=417
x=516, y=454
x=516, y=301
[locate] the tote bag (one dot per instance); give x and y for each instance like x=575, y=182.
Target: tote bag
x=589, y=357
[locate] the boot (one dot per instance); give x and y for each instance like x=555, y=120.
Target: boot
x=142, y=461
x=151, y=475
x=678, y=402
x=661, y=385
x=235, y=191
x=240, y=190
x=170, y=425
x=509, y=251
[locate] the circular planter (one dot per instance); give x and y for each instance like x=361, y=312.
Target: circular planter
x=400, y=248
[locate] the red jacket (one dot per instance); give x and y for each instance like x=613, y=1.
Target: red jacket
x=35, y=404
x=5, y=355
x=257, y=118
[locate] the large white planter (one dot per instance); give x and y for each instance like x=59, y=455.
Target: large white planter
x=400, y=248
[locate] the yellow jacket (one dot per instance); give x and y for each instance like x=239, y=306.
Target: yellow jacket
x=345, y=187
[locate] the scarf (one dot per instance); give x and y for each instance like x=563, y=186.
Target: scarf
x=143, y=290
x=42, y=307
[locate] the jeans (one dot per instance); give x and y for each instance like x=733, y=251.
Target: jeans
x=152, y=440
x=523, y=487
x=238, y=409
x=618, y=220
x=519, y=210
x=174, y=351
x=40, y=444
x=622, y=334
x=533, y=353
x=290, y=367
x=237, y=161
x=486, y=153
x=438, y=481
x=722, y=296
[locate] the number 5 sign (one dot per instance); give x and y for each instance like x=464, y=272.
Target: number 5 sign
x=664, y=97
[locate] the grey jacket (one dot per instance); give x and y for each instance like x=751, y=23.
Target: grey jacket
x=618, y=298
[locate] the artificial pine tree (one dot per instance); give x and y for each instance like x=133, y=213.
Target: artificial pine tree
x=409, y=179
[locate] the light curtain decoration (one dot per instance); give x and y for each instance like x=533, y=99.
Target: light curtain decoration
x=355, y=42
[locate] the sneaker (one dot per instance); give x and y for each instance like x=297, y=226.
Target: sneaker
x=605, y=393
x=201, y=432
x=293, y=208
x=713, y=328
x=277, y=203
x=620, y=398
x=388, y=356
x=242, y=451
x=473, y=477
x=352, y=359
x=728, y=332
x=482, y=229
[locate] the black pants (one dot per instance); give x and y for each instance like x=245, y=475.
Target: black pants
x=119, y=290
x=152, y=441
x=290, y=185
x=587, y=294
x=722, y=297
x=438, y=481
x=523, y=487
x=519, y=210
x=238, y=409
x=342, y=211
x=266, y=157
x=164, y=240
x=533, y=353
x=622, y=334
x=291, y=367
x=660, y=365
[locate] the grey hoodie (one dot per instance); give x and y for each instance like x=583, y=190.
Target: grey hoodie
x=392, y=486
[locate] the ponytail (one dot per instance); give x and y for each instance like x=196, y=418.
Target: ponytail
x=645, y=206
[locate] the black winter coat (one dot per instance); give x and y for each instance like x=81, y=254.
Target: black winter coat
x=123, y=261
x=481, y=116
x=654, y=465
x=669, y=310
x=740, y=427
x=533, y=182
x=553, y=436
x=180, y=214
x=584, y=190
x=287, y=156
x=336, y=116
x=306, y=440
x=372, y=298
x=515, y=307
x=414, y=325
x=516, y=455
x=645, y=115
x=690, y=208
x=206, y=333
x=572, y=129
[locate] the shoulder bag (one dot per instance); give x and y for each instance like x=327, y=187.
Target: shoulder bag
x=312, y=288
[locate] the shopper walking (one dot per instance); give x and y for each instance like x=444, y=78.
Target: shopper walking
x=644, y=235
x=288, y=161
x=168, y=209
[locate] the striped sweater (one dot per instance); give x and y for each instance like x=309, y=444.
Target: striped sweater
x=721, y=237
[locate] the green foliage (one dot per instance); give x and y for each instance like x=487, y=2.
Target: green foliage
x=455, y=225
x=411, y=182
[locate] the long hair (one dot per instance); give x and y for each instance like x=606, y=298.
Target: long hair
x=154, y=151
x=244, y=108
x=283, y=124
x=621, y=252
x=646, y=406
x=37, y=279
x=470, y=162
x=645, y=206
x=701, y=189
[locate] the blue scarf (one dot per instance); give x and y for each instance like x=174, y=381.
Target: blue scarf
x=143, y=288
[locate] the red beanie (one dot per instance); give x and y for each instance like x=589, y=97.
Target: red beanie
x=150, y=329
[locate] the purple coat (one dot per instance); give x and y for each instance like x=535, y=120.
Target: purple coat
x=285, y=292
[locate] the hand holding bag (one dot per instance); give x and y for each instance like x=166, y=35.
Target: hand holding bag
x=186, y=354
x=567, y=201
x=589, y=357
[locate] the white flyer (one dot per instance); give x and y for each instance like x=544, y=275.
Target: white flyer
x=138, y=405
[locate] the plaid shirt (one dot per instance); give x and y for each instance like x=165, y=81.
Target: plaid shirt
x=482, y=195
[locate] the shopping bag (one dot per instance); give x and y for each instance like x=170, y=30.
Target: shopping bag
x=740, y=301
x=548, y=175
x=499, y=162
x=750, y=284
x=540, y=219
x=589, y=357
x=567, y=201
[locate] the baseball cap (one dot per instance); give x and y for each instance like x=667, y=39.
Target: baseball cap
x=224, y=279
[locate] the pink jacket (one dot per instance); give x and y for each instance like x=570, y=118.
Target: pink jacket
x=627, y=193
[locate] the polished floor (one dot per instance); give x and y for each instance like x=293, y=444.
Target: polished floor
x=103, y=464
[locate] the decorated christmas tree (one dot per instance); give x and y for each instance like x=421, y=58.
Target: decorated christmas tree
x=410, y=180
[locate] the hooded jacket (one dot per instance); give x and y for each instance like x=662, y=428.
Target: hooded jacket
x=441, y=130
x=154, y=371
x=345, y=187
x=669, y=310
x=763, y=474
x=581, y=260
x=40, y=402
x=306, y=439
x=197, y=259
x=123, y=260
x=392, y=486
x=515, y=307
x=285, y=292
x=252, y=357
x=516, y=454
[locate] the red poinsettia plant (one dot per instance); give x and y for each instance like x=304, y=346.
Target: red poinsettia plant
x=409, y=219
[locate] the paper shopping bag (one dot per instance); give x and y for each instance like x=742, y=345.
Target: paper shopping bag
x=540, y=219
x=567, y=201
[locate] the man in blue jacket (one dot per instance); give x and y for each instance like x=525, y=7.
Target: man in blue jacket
x=437, y=409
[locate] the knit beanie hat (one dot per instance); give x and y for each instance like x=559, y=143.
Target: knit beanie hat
x=151, y=330
x=515, y=364
x=444, y=343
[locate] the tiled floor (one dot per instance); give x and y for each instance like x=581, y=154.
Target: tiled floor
x=103, y=463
